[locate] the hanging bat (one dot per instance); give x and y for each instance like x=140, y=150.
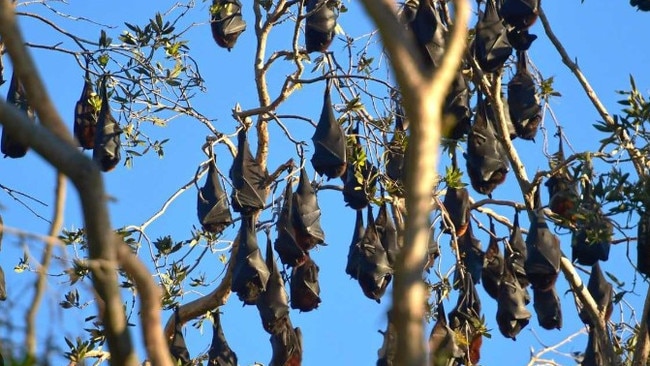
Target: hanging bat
x=387, y=234
x=562, y=192
x=85, y=116
x=512, y=315
x=329, y=142
x=106, y=152
x=220, y=353
x=442, y=341
x=493, y=266
x=354, y=253
x=226, y=22
x=602, y=292
x=250, y=274
x=486, y=163
x=3, y=285
x=320, y=25
x=304, y=287
x=465, y=317
x=178, y=348
x=287, y=346
x=248, y=179
x=516, y=253
x=395, y=155
x=306, y=214
x=212, y=205
x=542, y=265
x=520, y=14
x=643, y=244
x=375, y=272
x=359, y=182
x=523, y=102
x=592, y=239
x=520, y=39
x=273, y=304
x=16, y=96
x=643, y=5
x=548, y=309
x=491, y=46
x=457, y=204
x=471, y=254
x=429, y=32
x=599, y=351
x=457, y=109
x=286, y=244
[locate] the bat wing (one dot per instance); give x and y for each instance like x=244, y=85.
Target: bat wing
x=212, y=203
x=520, y=14
x=601, y=291
x=516, y=253
x=320, y=25
x=248, y=180
x=457, y=106
x=286, y=243
x=304, y=287
x=354, y=253
x=512, y=315
x=329, y=143
x=387, y=233
x=17, y=97
x=542, y=264
x=493, y=266
x=106, y=152
x=491, y=45
x=306, y=214
x=548, y=309
x=178, y=348
x=443, y=347
x=429, y=33
x=84, y=117
x=356, y=192
x=287, y=346
x=586, y=252
x=250, y=273
x=227, y=22
x=374, y=273
x=220, y=353
x=457, y=204
x=523, y=102
x=471, y=254
x=273, y=304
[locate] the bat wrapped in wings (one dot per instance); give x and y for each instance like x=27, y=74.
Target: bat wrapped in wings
x=248, y=179
x=212, y=205
x=329, y=142
x=521, y=14
x=320, y=25
x=491, y=46
x=602, y=292
x=85, y=116
x=250, y=274
x=523, y=102
x=16, y=96
x=304, y=286
x=306, y=214
x=226, y=22
x=471, y=255
x=375, y=272
x=273, y=304
x=360, y=179
x=592, y=239
x=287, y=346
x=457, y=204
x=177, y=347
x=542, y=264
x=465, y=318
x=512, y=315
x=220, y=353
x=443, y=348
x=429, y=32
x=547, y=307
x=395, y=155
x=387, y=233
x=493, y=266
x=457, y=108
x=516, y=252
x=106, y=152
x=354, y=253
x=286, y=244
x=562, y=192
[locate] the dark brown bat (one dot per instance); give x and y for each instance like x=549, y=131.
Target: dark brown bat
x=178, y=348
x=212, y=205
x=375, y=272
x=85, y=116
x=304, y=287
x=471, y=254
x=287, y=346
x=226, y=22
x=106, y=152
x=643, y=244
x=306, y=214
x=329, y=142
x=442, y=341
x=493, y=266
x=3, y=285
x=523, y=102
x=220, y=353
x=542, y=263
x=465, y=317
x=602, y=292
x=286, y=244
x=562, y=192
x=599, y=351
x=250, y=274
x=643, y=5
x=395, y=155
x=592, y=239
x=356, y=191
x=429, y=32
x=520, y=14
x=491, y=45
x=512, y=315
x=520, y=39
x=457, y=204
x=16, y=96
x=320, y=25
x=457, y=108
x=548, y=309
x=486, y=163
x=248, y=179
x=354, y=253
x=273, y=304
x=516, y=252
x=387, y=233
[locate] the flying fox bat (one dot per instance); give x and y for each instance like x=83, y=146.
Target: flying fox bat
x=16, y=96
x=226, y=22
x=3, y=285
x=250, y=274
x=592, y=240
x=356, y=191
x=457, y=107
x=548, y=309
x=520, y=14
x=493, y=266
x=354, y=253
x=542, y=264
x=471, y=254
x=512, y=315
x=643, y=5
x=220, y=353
x=287, y=346
x=85, y=117
x=465, y=316
x=599, y=351
x=602, y=292
x=457, y=204
x=306, y=214
x=320, y=25
x=486, y=163
x=375, y=272
x=273, y=304
x=523, y=102
x=643, y=244
x=248, y=179
x=387, y=233
x=491, y=45
x=286, y=244
x=178, y=348
x=520, y=39
x=429, y=32
x=516, y=253
x=442, y=341
x=562, y=193
x=395, y=155
x=212, y=204
x=329, y=142
x=106, y=152
x=304, y=287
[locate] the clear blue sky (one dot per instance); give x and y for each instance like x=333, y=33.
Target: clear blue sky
x=605, y=38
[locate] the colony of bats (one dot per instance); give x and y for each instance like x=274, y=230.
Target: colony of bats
x=507, y=276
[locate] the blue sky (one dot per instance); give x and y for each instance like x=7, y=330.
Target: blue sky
x=602, y=36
